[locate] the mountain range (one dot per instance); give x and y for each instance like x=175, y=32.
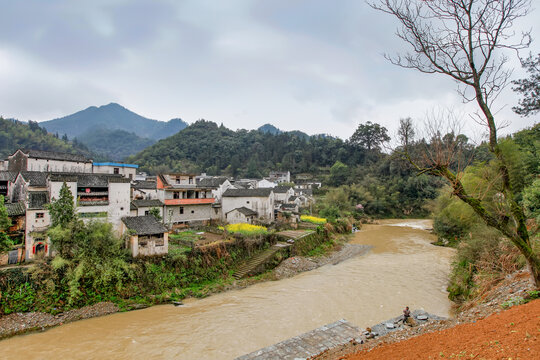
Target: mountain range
x=113, y=117
x=112, y=131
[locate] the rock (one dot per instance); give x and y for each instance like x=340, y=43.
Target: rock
x=177, y=303
x=389, y=325
x=422, y=317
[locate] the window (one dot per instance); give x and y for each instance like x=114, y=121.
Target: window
x=176, y=195
x=116, y=171
x=190, y=180
x=247, y=202
x=146, y=212
x=178, y=180
x=170, y=213
x=193, y=211
x=181, y=209
x=40, y=215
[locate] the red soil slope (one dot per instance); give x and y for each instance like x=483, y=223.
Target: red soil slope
x=511, y=334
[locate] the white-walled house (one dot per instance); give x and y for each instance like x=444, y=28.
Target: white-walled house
x=37, y=222
x=144, y=189
x=241, y=215
x=96, y=196
x=264, y=183
x=48, y=161
x=260, y=201
x=126, y=170
x=143, y=207
x=146, y=235
x=7, y=181
x=283, y=193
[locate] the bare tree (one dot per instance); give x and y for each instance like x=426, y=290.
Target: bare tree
x=465, y=40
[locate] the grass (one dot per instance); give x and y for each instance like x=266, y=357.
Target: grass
x=313, y=219
x=247, y=229
x=187, y=235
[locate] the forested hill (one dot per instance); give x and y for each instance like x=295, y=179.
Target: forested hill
x=15, y=135
x=204, y=146
x=112, y=117
x=114, y=145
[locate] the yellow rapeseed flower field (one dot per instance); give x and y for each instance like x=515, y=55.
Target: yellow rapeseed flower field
x=246, y=229
x=313, y=219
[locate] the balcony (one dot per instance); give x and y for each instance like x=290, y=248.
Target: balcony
x=93, y=193
x=189, y=201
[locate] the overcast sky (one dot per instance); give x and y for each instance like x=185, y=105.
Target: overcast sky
x=311, y=65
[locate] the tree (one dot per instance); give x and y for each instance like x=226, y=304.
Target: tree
x=339, y=172
x=465, y=40
x=63, y=223
x=5, y=223
x=62, y=210
x=529, y=88
x=369, y=136
x=155, y=213
x=406, y=131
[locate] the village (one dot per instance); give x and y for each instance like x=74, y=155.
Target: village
x=143, y=209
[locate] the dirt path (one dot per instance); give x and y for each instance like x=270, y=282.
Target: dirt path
x=511, y=334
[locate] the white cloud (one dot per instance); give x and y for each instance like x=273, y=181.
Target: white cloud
x=314, y=65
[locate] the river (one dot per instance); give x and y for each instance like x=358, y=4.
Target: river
x=402, y=269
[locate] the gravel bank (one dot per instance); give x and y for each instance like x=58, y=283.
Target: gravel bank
x=294, y=265
x=19, y=323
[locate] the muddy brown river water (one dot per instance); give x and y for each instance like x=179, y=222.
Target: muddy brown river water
x=402, y=269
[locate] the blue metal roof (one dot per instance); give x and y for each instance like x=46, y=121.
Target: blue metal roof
x=116, y=164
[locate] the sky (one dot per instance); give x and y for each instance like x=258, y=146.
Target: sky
x=310, y=65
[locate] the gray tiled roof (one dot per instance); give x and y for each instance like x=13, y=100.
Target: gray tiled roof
x=288, y=206
x=98, y=180
x=247, y=192
x=145, y=185
x=37, y=199
x=281, y=189
x=211, y=182
x=244, y=210
x=8, y=176
x=15, y=209
x=63, y=177
x=147, y=203
x=35, y=178
x=52, y=155
x=144, y=225
x=88, y=179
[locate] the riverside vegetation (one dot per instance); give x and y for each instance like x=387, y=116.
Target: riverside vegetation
x=92, y=266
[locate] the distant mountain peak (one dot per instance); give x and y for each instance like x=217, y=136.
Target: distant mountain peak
x=269, y=128
x=113, y=116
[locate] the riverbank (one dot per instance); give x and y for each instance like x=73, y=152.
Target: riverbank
x=21, y=323
x=478, y=330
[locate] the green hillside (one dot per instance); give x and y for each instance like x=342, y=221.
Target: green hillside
x=15, y=135
x=205, y=146
x=114, y=145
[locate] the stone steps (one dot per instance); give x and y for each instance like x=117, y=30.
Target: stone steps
x=309, y=344
x=258, y=260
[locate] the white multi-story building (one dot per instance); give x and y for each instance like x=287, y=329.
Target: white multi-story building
x=185, y=201
x=48, y=161
x=126, y=170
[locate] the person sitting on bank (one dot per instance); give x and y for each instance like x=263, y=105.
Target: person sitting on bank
x=406, y=314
